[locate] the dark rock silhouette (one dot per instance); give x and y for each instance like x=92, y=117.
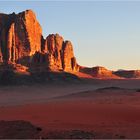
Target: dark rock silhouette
x=128, y=73
x=19, y=129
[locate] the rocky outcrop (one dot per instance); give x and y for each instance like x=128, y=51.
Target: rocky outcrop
x=5, y=22
x=69, y=61
x=53, y=47
x=19, y=129
x=99, y=72
x=20, y=37
x=11, y=44
x=21, y=42
x=0, y=55
x=57, y=54
x=128, y=73
x=23, y=50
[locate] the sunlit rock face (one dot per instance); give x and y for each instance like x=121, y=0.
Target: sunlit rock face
x=21, y=42
x=99, y=72
x=57, y=54
x=20, y=36
x=68, y=59
x=28, y=35
x=53, y=47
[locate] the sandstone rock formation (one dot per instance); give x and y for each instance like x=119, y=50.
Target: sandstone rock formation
x=21, y=42
x=68, y=56
x=128, y=73
x=99, y=72
x=56, y=54
x=20, y=36
x=24, y=50
x=53, y=47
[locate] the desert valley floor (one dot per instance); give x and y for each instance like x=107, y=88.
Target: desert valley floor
x=89, y=109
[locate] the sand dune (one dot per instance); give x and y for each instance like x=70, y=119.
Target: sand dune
x=99, y=109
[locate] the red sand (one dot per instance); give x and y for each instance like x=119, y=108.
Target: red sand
x=119, y=119
x=107, y=113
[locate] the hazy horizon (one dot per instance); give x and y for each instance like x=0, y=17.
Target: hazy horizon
x=102, y=33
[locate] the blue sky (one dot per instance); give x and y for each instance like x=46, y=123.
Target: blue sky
x=105, y=33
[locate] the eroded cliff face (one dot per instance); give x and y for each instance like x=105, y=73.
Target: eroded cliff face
x=53, y=47
x=21, y=42
x=99, y=72
x=20, y=37
x=69, y=61
x=57, y=54
x=28, y=34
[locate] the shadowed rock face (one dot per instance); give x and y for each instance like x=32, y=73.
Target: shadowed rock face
x=128, y=73
x=21, y=42
x=19, y=130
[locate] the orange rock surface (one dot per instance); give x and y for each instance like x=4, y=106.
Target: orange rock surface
x=99, y=72
x=21, y=42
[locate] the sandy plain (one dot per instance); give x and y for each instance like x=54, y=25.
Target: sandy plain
x=89, y=109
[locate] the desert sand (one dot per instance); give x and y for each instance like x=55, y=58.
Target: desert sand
x=89, y=109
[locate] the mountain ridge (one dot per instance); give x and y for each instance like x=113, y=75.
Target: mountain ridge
x=24, y=50
x=22, y=42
